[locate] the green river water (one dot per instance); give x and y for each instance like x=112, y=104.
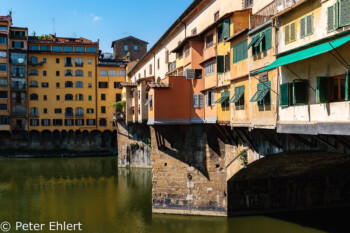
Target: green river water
x=103, y=198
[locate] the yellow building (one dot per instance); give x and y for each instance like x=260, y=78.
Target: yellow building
x=110, y=74
x=62, y=83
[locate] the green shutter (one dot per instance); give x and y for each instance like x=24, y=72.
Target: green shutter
x=245, y=50
x=322, y=89
x=284, y=95
x=268, y=38
x=347, y=85
x=300, y=92
x=234, y=54
x=220, y=61
x=330, y=20
x=336, y=15
x=228, y=63
x=344, y=13
x=226, y=29
x=292, y=32
x=286, y=34
x=309, y=24
x=302, y=27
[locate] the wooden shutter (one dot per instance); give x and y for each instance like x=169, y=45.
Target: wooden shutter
x=330, y=19
x=292, y=32
x=286, y=34
x=245, y=49
x=226, y=28
x=336, y=15
x=300, y=92
x=212, y=98
x=284, y=95
x=228, y=62
x=302, y=27
x=195, y=101
x=220, y=64
x=309, y=24
x=344, y=13
x=268, y=38
x=207, y=99
x=201, y=100
x=347, y=85
x=322, y=89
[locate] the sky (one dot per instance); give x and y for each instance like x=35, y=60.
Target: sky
x=106, y=20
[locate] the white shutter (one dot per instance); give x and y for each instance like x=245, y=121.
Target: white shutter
x=212, y=98
x=207, y=99
x=195, y=101
x=189, y=73
x=201, y=100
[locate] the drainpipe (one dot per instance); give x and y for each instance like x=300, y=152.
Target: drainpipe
x=277, y=71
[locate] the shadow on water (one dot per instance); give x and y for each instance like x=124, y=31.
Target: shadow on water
x=106, y=199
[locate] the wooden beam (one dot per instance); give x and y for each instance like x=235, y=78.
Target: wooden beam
x=324, y=141
x=271, y=139
x=221, y=132
x=247, y=140
x=303, y=140
x=342, y=140
x=230, y=135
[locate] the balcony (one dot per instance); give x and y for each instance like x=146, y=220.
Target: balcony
x=38, y=64
x=81, y=64
x=18, y=37
x=18, y=86
x=282, y=5
x=19, y=113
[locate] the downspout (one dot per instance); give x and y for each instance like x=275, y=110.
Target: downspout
x=277, y=71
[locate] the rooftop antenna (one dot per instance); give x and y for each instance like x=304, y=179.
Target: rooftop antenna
x=53, y=25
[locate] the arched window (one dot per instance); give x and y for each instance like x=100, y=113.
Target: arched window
x=79, y=97
x=68, y=97
x=34, y=97
x=79, y=112
x=79, y=62
x=68, y=73
x=34, y=60
x=79, y=73
x=33, y=72
x=68, y=84
x=68, y=61
x=34, y=112
x=33, y=84
x=19, y=110
x=102, y=122
x=69, y=112
x=79, y=84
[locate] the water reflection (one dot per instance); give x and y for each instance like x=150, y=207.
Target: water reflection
x=104, y=199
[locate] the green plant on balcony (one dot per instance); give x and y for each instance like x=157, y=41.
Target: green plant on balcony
x=119, y=107
x=44, y=37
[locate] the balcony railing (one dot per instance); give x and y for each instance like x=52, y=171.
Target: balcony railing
x=16, y=86
x=68, y=64
x=282, y=5
x=19, y=113
x=19, y=37
x=35, y=63
x=79, y=115
x=81, y=64
x=68, y=114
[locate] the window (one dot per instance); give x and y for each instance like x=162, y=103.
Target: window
x=187, y=50
x=79, y=112
x=112, y=73
x=45, y=97
x=150, y=69
x=79, y=49
x=34, y=112
x=34, y=47
x=224, y=100
x=68, y=97
x=90, y=110
x=4, y=28
x=68, y=84
x=194, y=31
x=103, y=73
x=79, y=73
x=79, y=62
x=45, y=122
x=57, y=85
x=117, y=85
x=103, y=109
x=32, y=96
x=44, y=73
x=227, y=62
x=57, y=97
x=68, y=112
x=45, y=85
x=136, y=48
x=126, y=49
x=89, y=61
x=158, y=63
x=68, y=73
x=3, y=82
x=103, y=96
x=102, y=122
x=216, y=16
x=69, y=122
x=34, y=122
x=4, y=120
x=209, y=40
x=263, y=94
x=3, y=94
x=90, y=98
x=3, y=40
x=17, y=44
x=166, y=56
x=3, y=106
x=45, y=47
x=102, y=84
x=198, y=100
x=90, y=74
x=33, y=84
x=89, y=85
x=3, y=67
x=79, y=122
x=332, y=89
x=306, y=26
x=240, y=52
x=68, y=61
x=57, y=73
x=44, y=60
x=121, y=73
x=90, y=122
x=338, y=15
x=209, y=69
x=289, y=33
x=91, y=50
x=79, y=84
x=57, y=122
x=57, y=60
x=33, y=72
x=261, y=41
x=219, y=30
x=180, y=54
x=238, y=98
x=3, y=54
x=118, y=97
x=18, y=58
x=17, y=71
x=34, y=60
x=45, y=110
x=57, y=48
x=68, y=48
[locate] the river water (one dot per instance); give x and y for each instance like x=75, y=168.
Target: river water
x=104, y=199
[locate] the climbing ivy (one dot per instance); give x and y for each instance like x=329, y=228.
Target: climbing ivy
x=243, y=156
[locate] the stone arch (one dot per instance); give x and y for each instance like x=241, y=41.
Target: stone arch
x=4, y=138
x=114, y=143
x=46, y=139
x=56, y=138
x=64, y=138
x=86, y=138
x=71, y=137
x=78, y=138
x=106, y=138
x=95, y=138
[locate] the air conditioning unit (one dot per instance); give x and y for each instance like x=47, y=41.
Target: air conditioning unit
x=189, y=73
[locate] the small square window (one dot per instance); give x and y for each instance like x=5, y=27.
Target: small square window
x=57, y=73
x=103, y=109
x=45, y=110
x=90, y=85
x=44, y=60
x=57, y=97
x=44, y=73
x=90, y=74
x=136, y=48
x=57, y=60
x=45, y=97
x=90, y=97
x=89, y=61
x=103, y=96
x=57, y=85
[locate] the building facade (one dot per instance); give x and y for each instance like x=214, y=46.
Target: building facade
x=129, y=48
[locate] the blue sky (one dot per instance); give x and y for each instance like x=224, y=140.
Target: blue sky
x=106, y=20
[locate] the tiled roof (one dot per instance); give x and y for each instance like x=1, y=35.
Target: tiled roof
x=157, y=85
